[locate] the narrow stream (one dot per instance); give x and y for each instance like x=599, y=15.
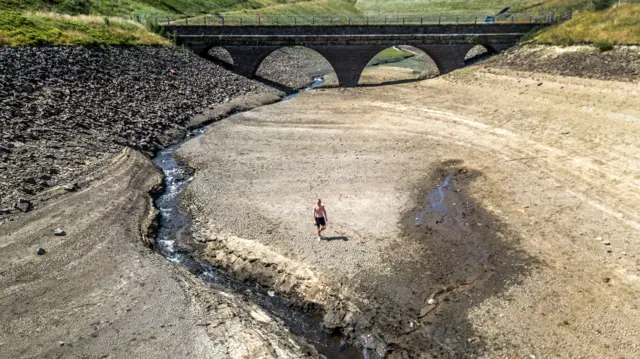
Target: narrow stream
x=303, y=322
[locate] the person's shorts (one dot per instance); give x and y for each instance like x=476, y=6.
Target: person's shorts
x=320, y=222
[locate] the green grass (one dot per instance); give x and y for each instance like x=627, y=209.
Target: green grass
x=617, y=25
x=390, y=55
x=87, y=7
x=21, y=23
x=285, y=7
x=435, y=7
x=129, y=7
x=55, y=29
x=557, y=6
x=305, y=8
x=292, y=7
x=140, y=7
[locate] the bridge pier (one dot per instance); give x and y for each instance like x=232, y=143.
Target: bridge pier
x=348, y=61
x=497, y=48
x=447, y=57
x=247, y=59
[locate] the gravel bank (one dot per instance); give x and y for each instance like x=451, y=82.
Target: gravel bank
x=294, y=67
x=66, y=109
x=620, y=64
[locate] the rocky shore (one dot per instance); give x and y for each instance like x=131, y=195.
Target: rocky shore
x=65, y=110
x=622, y=63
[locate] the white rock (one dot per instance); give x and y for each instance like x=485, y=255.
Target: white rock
x=606, y=243
x=260, y=316
x=598, y=238
x=431, y=301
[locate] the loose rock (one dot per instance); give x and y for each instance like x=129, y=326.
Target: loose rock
x=71, y=187
x=24, y=205
x=64, y=109
x=40, y=251
x=59, y=232
x=333, y=320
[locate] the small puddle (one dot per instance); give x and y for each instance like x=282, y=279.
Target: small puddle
x=436, y=202
x=303, y=322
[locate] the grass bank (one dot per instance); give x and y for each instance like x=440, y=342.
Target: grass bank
x=618, y=25
x=435, y=7
x=140, y=7
x=323, y=7
x=56, y=29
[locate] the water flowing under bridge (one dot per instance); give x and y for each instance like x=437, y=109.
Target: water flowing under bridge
x=349, y=47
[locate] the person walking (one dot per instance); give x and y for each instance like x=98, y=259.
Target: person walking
x=320, y=218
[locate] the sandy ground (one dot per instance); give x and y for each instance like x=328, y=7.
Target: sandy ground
x=98, y=292
x=536, y=253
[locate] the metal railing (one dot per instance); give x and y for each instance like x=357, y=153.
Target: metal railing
x=276, y=20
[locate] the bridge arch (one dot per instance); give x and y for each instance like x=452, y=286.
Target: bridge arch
x=478, y=53
x=349, y=60
x=413, y=63
x=218, y=55
x=293, y=66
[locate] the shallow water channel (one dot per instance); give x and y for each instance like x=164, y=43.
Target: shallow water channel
x=303, y=322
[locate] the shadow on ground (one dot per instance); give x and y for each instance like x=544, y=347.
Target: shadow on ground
x=336, y=238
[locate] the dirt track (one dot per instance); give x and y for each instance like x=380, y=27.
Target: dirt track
x=539, y=256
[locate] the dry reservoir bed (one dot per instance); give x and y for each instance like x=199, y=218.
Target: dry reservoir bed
x=487, y=212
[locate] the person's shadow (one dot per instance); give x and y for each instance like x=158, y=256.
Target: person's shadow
x=335, y=238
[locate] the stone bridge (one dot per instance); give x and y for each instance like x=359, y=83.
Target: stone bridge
x=348, y=48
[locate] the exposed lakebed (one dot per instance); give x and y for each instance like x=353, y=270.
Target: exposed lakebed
x=302, y=319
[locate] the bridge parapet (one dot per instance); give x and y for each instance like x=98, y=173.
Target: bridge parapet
x=319, y=30
x=351, y=19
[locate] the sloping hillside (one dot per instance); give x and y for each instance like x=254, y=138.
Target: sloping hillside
x=617, y=25
x=304, y=8
x=365, y=7
x=139, y=7
x=444, y=7
x=59, y=29
x=299, y=7
x=19, y=24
